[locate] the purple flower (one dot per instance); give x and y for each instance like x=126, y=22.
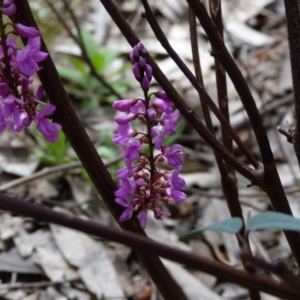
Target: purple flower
x=136, y=71
x=134, y=55
x=170, y=121
x=142, y=62
x=143, y=218
x=149, y=72
x=39, y=93
x=158, y=213
x=159, y=132
x=172, y=154
x=127, y=214
x=48, y=129
x=178, y=196
x=11, y=46
x=142, y=184
x=124, y=173
x=145, y=83
x=11, y=113
x=123, y=105
x=176, y=182
x=26, y=32
x=128, y=187
x=162, y=105
x=132, y=152
x=4, y=89
x=139, y=107
x=125, y=119
x=162, y=95
x=151, y=113
x=123, y=135
x=9, y=10
x=26, y=59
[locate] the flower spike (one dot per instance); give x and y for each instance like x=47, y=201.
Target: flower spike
x=143, y=185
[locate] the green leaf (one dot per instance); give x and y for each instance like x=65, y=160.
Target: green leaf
x=89, y=42
x=273, y=220
x=109, y=55
x=98, y=61
x=232, y=225
x=72, y=75
x=79, y=64
x=106, y=152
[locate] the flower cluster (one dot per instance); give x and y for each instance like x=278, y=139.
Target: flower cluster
x=143, y=185
x=18, y=107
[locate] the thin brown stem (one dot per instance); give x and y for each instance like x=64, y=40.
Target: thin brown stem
x=189, y=75
x=144, y=245
x=47, y=171
x=271, y=182
x=278, y=268
x=228, y=179
x=292, y=8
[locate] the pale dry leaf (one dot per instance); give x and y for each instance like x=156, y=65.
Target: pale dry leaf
x=15, y=295
x=247, y=35
x=192, y=288
x=53, y=263
x=11, y=261
x=33, y=296
x=10, y=226
x=95, y=269
x=54, y=294
x=27, y=242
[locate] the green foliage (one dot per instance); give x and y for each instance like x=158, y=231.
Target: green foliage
x=54, y=153
x=107, y=150
x=265, y=220
x=232, y=225
x=86, y=87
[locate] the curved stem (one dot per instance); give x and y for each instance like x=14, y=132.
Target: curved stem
x=189, y=75
x=144, y=245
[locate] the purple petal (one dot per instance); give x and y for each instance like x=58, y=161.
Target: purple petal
x=143, y=218
x=9, y=10
x=136, y=71
x=125, y=119
x=122, y=202
x=123, y=105
x=127, y=214
x=145, y=83
x=26, y=32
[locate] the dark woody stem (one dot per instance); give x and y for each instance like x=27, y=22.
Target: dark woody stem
x=271, y=180
x=140, y=243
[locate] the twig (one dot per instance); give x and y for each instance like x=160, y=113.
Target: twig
x=189, y=75
x=228, y=179
x=278, y=268
x=292, y=8
x=34, y=285
x=47, y=171
x=144, y=245
x=271, y=182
